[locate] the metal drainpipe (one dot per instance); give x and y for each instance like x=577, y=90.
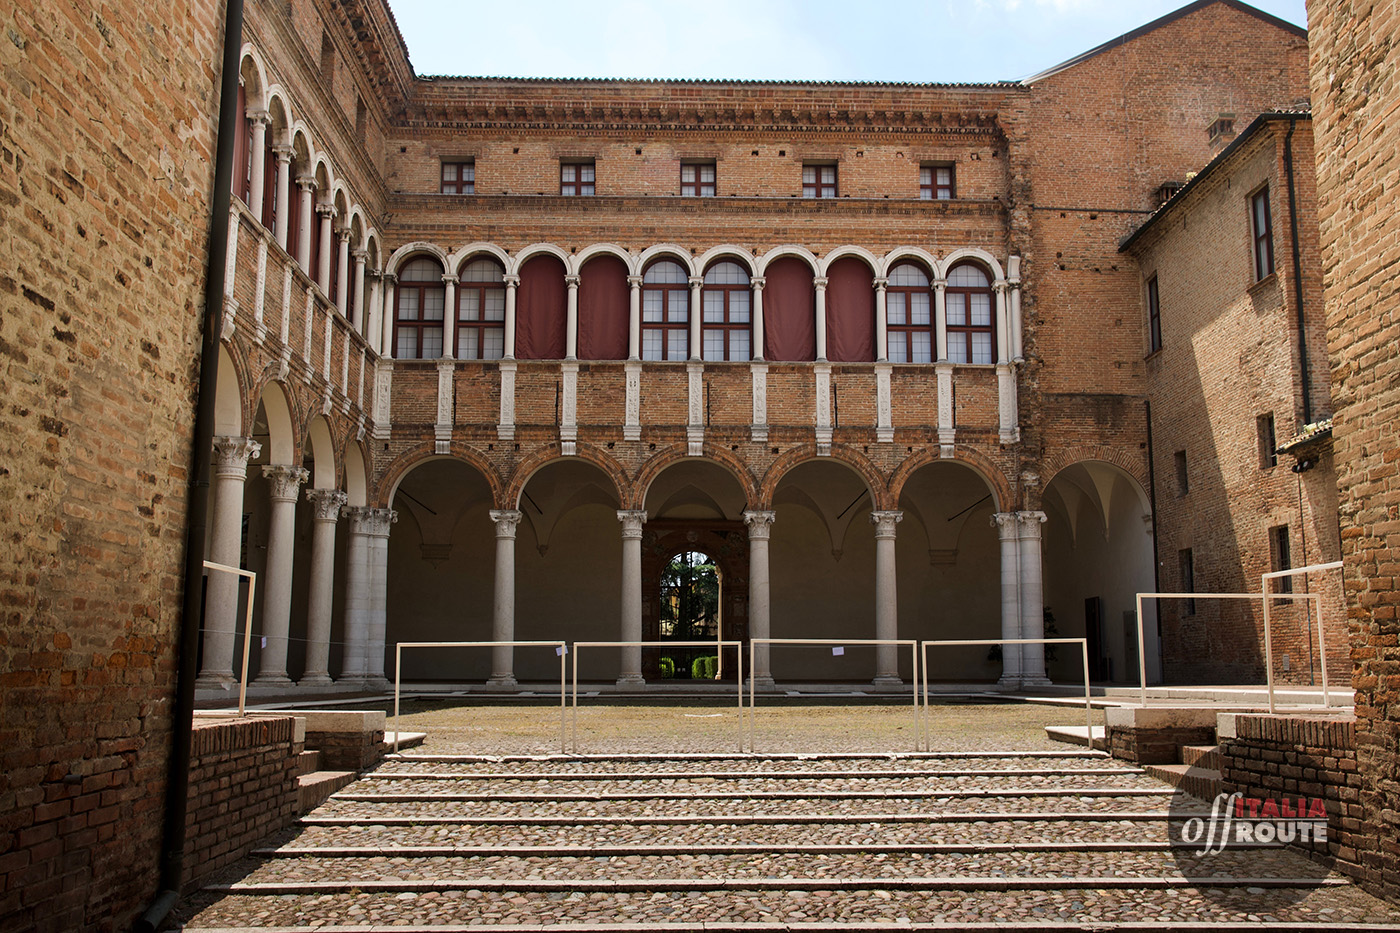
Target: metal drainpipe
x=1297, y=272
x=177, y=782
x=1152, y=501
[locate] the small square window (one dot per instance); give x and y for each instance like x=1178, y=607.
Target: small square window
x=818, y=181
x=1268, y=445
x=698, y=179
x=576, y=179
x=1154, y=317
x=1261, y=229
x=936, y=182
x=1182, y=486
x=458, y=178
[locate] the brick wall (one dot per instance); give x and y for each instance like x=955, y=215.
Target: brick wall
x=106, y=164
x=1275, y=756
x=243, y=788
x=1354, y=96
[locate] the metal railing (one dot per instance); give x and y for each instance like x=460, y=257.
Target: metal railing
x=719, y=644
x=1321, y=635
x=836, y=642
x=560, y=648
x=1084, y=651
x=252, y=579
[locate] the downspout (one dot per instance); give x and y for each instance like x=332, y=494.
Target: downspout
x=1297, y=272
x=1152, y=502
x=177, y=781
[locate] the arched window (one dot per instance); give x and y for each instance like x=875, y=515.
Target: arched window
x=909, y=315
x=418, y=311
x=481, y=311
x=971, y=334
x=724, y=329
x=665, y=312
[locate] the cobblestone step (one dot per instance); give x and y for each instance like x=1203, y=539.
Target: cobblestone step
x=708, y=763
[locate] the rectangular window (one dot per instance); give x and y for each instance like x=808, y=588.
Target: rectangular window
x=1280, y=557
x=458, y=178
x=1182, y=486
x=819, y=181
x=1268, y=446
x=698, y=179
x=1263, y=234
x=1186, y=564
x=936, y=182
x=1154, y=317
x=576, y=179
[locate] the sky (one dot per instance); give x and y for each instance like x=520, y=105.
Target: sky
x=938, y=41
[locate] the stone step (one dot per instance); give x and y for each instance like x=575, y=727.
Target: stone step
x=863, y=774
x=708, y=762
x=1204, y=783
x=1201, y=756
x=315, y=788
x=308, y=761
x=985, y=904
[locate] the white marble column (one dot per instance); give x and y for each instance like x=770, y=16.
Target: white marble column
x=512, y=283
x=1003, y=327
x=756, y=341
x=306, y=217
x=940, y=319
x=449, y=316
x=760, y=593
x=820, y=282
x=342, y=271
x=503, y=615
x=356, y=314
x=326, y=505
x=1032, y=599
x=571, y=318
x=231, y=456
x=325, y=213
x=353, y=661
x=632, y=521
x=283, y=194
x=695, y=315
x=1013, y=278
x=389, y=290
x=634, y=317
x=886, y=597
x=283, y=483
x=882, y=339
x=258, y=121
x=1007, y=534
x=377, y=524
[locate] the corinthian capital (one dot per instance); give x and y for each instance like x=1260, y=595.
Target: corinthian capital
x=231, y=455
x=284, y=481
x=326, y=503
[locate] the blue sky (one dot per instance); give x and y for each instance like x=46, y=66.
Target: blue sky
x=933, y=41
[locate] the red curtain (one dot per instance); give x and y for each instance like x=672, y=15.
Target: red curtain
x=850, y=312
x=541, y=307
x=789, y=311
x=604, y=307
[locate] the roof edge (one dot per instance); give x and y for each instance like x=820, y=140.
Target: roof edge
x=1163, y=21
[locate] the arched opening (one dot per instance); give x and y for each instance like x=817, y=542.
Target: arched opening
x=689, y=598
x=441, y=577
x=604, y=309
x=949, y=570
x=789, y=311
x=1098, y=557
x=272, y=429
x=850, y=311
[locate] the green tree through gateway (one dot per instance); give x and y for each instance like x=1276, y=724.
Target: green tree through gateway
x=689, y=607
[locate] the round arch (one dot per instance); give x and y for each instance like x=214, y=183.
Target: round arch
x=550, y=453
x=321, y=444
x=465, y=254
x=850, y=251
x=254, y=77
x=678, y=453
x=910, y=253
x=281, y=423
x=281, y=114
x=792, y=250
x=979, y=256
x=670, y=251
x=388, y=484
x=411, y=251
x=1130, y=462
x=604, y=249
x=537, y=249
x=857, y=462
x=726, y=251
x=228, y=396
x=1002, y=493
x=356, y=475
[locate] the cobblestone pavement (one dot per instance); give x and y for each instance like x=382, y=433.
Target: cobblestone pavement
x=1001, y=826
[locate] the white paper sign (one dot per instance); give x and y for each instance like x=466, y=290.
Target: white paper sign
x=837, y=652
x=561, y=650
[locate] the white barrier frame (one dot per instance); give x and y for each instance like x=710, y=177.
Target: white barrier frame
x=858, y=642
x=1268, y=639
x=561, y=648
x=247, y=625
x=719, y=644
x=1083, y=644
x=1321, y=635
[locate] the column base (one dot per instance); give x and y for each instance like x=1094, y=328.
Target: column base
x=1009, y=681
x=1041, y=681
x=315, y=680
x=887, y=680
x=631, y=680
x=378, y=682
x=762, y=682
x=215, y=680
x=502, y=680
x=272, y=680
